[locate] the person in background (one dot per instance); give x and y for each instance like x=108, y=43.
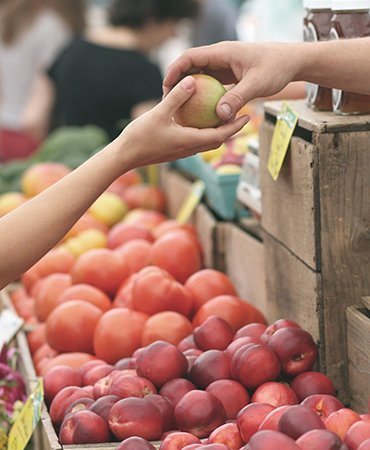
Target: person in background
x=106, y=77
x=32, y=32
x=152, y=138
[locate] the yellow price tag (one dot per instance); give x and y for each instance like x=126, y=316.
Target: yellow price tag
x=153, y=175
x=27, y=419
x=284, y=128
x=191, y=201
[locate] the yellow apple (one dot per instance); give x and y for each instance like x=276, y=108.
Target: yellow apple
x=109, y=208
x=10, y=201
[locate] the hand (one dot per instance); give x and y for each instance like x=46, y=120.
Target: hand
x=155, y=137
x=258, y=69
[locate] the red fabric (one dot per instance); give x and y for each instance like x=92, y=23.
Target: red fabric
x=16, y=145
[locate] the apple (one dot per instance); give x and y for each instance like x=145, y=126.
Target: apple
x=233, y=396
x=297, y=420
x=103, y=405
x=213, y=334
x=39, y=177
x=250, y=417
x=187, y=343
x=322, y=404
x=295, y=349
x=199, y=413
x=227, y=434
x=271, y=421
x=310, y=383
x=58, y=378
x=268, y=440
x=125, y=386
x=166, y=409
x=239, y=343
x=175, y=389
x=109, y=208
x=200, y=110
x=83, y=427
x=210, y=366
x=255, y=330
x=78, y=405
x=178, y=440
x=277, y=325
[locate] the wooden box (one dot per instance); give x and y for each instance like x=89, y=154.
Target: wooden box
x=316, y=221
x=358, y=333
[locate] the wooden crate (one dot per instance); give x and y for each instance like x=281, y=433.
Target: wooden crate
x=358, y=332
x=242, y=256
x=316, y=218
x=177, y=187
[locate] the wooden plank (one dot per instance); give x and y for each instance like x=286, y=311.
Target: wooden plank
x=293, y=289
x=244, y=264
x=358, y=332
x=321, y=121
x=289, y=205
x=206, y=224
x=344, y=161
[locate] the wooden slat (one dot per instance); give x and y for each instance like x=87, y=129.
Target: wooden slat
x=289, y=205
x=321, y=121
x=358, y=321
x=344, y=161
x=244, y=263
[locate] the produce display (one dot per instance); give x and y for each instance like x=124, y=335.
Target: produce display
x=137, y=342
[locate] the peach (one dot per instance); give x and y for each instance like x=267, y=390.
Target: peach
x=322, y=439
x=83, y=427
x=239, y=343
x=165, y=408
x=78, y=405
x=96, y=373
x=135, y=417
x=210, y=366
x=295, y=348
x=271, y=421
x=275, y=394
x=297, y=420
x=175, y=389
x=121, y=233
x=231, y=394
x=58, y=378
x=178, y=440
x=62, y=400
x=268, y=440
x=310, y=383
x=250, y=417
x=277, y=325
x=254, y=330
x=213, y=334
x=356, y=434
x=199, y=413
x=131, y=386
x=161, y=362
x=341, y=420
x=135, y=443
x=254, y=365
x=227, y=434
x=103, y=405
x=322, y=404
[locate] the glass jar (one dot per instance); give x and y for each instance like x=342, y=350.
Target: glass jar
x=316, y=27
x=351, y=19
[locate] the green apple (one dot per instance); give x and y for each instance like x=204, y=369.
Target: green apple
x=200, y=110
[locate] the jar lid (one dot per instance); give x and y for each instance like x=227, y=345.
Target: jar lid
x=317, y=4
x=348, y=5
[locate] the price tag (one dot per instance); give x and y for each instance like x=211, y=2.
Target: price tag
x=27, y=419
x=10, y=324
x=152, y=174
x=284, y=128
x=191, y=201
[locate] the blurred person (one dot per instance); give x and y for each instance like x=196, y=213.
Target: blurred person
x=106, y=77
x=152, y=138
x=32, y=32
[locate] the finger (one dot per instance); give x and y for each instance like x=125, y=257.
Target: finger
x=179, y=94
x=234, y=99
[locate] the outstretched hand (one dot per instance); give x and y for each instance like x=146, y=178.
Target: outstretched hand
x=256, y=69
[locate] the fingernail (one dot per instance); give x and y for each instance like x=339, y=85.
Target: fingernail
x=188, y=83
x=226, y=110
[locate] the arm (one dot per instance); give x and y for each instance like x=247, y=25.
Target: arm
x=38, y=108
x=32, y=229
x=264, y=69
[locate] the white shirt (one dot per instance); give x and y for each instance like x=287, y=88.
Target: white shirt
x=24, y=59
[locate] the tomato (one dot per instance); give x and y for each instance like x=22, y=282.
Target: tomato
x=70, y=327
x=155, y=290
x=170, y=225
x=73, y=359
x=207, y=284
x=124, y=232
x=123, y=298
x=87, y=293
x=135, y=253
x=37, y=337
x=177, y=252
x=118, y=334
x=167, y=326
x=234, y=310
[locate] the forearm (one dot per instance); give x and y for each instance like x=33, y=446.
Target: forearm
x=29, y=232
x=343, y=64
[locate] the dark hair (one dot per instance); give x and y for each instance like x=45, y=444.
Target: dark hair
x=135, y=13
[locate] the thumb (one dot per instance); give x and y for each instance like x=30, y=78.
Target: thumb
x=178, y=95
x=234, y=99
